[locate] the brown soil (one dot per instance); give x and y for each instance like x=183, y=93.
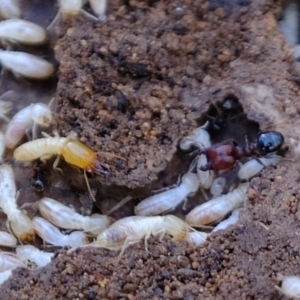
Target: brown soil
x=133, y=87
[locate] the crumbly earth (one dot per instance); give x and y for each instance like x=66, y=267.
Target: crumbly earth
x=134, y=86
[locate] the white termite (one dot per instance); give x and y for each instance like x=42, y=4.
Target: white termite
x=205, y=177
x=5, y=106
x=26, y=119
x=217, y=186
x=9, y=261
x=69, y=9
x=199, y=138
x=196, y=238
x=290, y=286
x=254, y=166
x=29, y=253
x=130, y=230
x=19, y=222
x=7, y=239
x=216, y=209
x=232, y=220
x=5, y=275
x=64, y=217
x=22, y=31
x=40, y=148
x=2, y=146
x=168, y=200
x=26, y=65
x=10, y=9
x=99, y=7
x=52, y=235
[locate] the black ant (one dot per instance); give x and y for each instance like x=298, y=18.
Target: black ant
x=224, y=155
x=38, y=184
x=224, y=111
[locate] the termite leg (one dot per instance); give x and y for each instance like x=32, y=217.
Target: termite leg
x=34, y=131
x=185, y=204
x=88, y=186
x=146, y=242
x=119, y=204
x=87, y=14
x=54, y=21
x=56, y=162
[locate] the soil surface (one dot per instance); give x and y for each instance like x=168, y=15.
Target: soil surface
x=133, y=87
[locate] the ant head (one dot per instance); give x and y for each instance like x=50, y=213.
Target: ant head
x=38, y=185
x=269, y=141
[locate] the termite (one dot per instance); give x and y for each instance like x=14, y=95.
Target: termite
x=64, y=217
x=216, y=209
x=195, y=238
x=28, y=253
x=22, y=31
x=52, y=235
x=10, y=9
x=5, y=275
x=26, y=119
x=69, y=9
x=8, y=261
x=99, y=8
x=26, y=65
x=5, y=107
x=19, y=222
x=290, y=286
x=217, y=186
x=168, y=200
x=199, y=138
x=73, y=152
x=232, y=220
x=131, y=230
x=7, y=240
x=254, y=166
x=2, y=146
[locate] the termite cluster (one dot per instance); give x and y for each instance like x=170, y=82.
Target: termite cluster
x=207, y=173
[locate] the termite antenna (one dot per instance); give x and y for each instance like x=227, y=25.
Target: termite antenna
x=119, y=204
x=88, y=186
x=111, y=155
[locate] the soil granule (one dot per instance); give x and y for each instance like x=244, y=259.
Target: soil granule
x=133, y=87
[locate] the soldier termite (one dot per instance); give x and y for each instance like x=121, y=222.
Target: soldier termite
x=73, y=152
